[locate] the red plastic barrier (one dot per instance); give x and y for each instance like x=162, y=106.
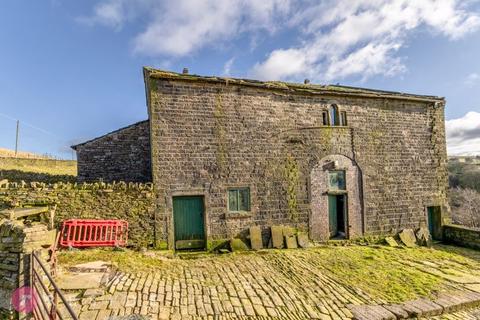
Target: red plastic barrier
x=94, y=233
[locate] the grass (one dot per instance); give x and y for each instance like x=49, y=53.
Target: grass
x=382, y=272
x=43, y=170
x=125, y=260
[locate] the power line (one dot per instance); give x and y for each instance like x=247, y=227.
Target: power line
x=30, y=125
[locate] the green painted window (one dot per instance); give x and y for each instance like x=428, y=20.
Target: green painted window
x=239, y=199
x=336, y=180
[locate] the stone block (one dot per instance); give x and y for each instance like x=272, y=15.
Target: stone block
x=256, y=238
x=370, y=312
x=397, y=310
x=424, y=238
x=422, y=308
x=391, y=242
x=94, y=266
x=291, y=242
x=303, y=241
x=408, y=238
x=78, y=281
x=238, y=245
x=277, y=237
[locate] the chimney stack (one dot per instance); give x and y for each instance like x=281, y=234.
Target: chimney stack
x=306, y=81
x=185, y=71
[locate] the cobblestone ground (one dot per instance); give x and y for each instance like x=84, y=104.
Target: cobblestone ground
x=284, y=285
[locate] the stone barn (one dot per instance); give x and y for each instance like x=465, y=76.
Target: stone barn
x=121, y=155
x=334, y=161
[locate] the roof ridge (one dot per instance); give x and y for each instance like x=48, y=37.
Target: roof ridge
x=74, y=147
x=298, y=87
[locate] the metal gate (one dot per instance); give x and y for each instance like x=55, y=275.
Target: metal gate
x=47, y=297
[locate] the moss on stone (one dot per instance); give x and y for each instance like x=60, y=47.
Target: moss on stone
x=214, y=245
x=292, y=179
x=219, y=115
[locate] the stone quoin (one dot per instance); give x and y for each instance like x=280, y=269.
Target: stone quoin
x=227, y=154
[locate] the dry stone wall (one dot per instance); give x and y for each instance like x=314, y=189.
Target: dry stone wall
x=462, y=236
x=16, y=243
x=123, y=155
x=133, y=202
x=207, y=137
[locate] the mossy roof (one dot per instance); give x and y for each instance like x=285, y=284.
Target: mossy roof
x=335, y=90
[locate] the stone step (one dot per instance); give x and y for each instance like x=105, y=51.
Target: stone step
x=444, y=303
x=95, y=266
x=80, y=281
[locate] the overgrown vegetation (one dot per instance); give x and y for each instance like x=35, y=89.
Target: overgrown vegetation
x=464, y=175
x=390, y=274
x=125, y=260
x=41, y=170
x=464, y=194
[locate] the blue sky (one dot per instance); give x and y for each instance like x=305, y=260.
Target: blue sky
x=72, y=70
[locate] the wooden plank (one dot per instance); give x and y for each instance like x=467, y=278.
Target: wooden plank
x=189, y=244
x=23, y=212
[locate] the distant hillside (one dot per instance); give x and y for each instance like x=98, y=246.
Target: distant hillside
x=7, y=153
x=464, y=173
x=43, y=170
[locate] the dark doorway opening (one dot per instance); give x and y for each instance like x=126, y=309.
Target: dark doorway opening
x=434, y=219
x=337, y=216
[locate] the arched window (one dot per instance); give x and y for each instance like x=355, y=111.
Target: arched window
x=334, y=117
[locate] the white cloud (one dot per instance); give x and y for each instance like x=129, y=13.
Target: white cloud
x=343, y=38
x=110, y=13
x=463, y=135
x=227, y=67
x=472, y=80
x=336, y=38
x=180, y=27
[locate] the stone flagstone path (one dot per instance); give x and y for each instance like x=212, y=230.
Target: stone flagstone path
x=281, y=285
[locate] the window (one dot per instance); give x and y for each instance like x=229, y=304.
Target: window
x=334, y=121
x=343, y=118
x=336, y=180
x=325, y=118
x=239, y=199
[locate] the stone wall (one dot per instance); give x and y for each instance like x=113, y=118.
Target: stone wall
x=208, y=136
x=461, y=236
x=16, y=243
x=133, y=202
x=122, y=155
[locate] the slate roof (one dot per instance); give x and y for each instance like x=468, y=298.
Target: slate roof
x=336, y=90
x=74, y=147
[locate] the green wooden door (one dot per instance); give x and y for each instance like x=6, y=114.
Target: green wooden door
x=188, y=216
x=332, y=215
x=435, y=222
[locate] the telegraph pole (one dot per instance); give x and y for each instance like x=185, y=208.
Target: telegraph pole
x=16, y=139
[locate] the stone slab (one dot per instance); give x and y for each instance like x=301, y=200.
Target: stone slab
x=370, y=312
x=303, y=241
x=422, y=307
x=80, y=281
x=238, y=245
x=277, y=237
x=397, y=310
x=391, y=242
x=423, y=237
x=408, y=237
x=93, y=293
x=291, y=242
x=94, y=266
x=256, y=238
x=288, y=231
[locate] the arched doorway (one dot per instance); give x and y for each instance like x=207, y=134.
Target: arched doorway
x=336, y=199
